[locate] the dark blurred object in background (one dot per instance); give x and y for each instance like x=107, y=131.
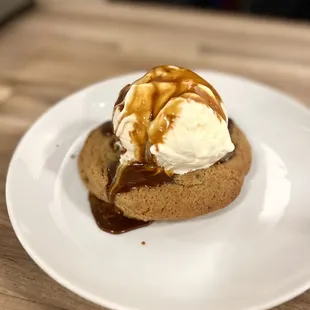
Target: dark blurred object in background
x=292, y=9
x=11, y=8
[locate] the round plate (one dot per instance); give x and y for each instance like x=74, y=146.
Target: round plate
x=254, y=254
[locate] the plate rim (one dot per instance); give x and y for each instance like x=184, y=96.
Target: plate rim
x=62, y=280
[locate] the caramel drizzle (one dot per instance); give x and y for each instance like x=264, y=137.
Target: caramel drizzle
x=160, y=85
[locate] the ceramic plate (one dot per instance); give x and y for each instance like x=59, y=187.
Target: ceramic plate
x=254, y=254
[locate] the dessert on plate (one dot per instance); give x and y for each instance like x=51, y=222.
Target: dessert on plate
x=170, y=152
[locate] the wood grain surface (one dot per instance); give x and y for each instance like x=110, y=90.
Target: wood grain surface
x=61, y=46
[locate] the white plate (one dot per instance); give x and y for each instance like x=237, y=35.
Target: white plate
x=254, y=254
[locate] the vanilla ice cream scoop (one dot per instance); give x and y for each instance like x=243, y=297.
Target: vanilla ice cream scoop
x=173, y=119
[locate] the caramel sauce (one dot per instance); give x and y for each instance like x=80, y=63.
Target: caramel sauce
x=124, y=178
x=121, y=179
x=158, y=94
x=122, y=95
x=110, y=219
x=107, y=129
x=155, y=102
x=107, y=216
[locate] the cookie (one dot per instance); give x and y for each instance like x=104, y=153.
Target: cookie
x=189, y=195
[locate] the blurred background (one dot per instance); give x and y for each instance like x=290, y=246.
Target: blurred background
x=52, y=48
x=293, y=9
x=289, y=9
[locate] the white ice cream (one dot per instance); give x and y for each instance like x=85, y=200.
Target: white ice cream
x=197, y=138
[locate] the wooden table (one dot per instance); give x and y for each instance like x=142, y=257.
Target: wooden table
x=61, y=46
